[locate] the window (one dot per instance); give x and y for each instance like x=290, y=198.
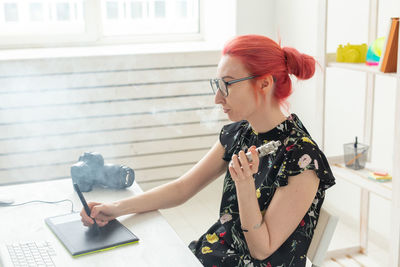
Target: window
x=129, y=17
x=69, y=21
x=20, y=18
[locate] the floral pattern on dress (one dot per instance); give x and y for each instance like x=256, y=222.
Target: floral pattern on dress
x=224, y=243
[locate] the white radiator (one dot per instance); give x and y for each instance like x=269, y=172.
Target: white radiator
x=154, y=113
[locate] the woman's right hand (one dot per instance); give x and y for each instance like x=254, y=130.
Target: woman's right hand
x=102, y=213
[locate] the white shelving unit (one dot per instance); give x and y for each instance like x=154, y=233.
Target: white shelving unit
x=390, y=190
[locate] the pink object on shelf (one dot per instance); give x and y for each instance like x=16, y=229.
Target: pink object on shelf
x=381, y=173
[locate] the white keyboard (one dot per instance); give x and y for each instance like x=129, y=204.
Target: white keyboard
x=36, y=253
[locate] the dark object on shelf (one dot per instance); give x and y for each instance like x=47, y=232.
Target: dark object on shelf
x=355, y=155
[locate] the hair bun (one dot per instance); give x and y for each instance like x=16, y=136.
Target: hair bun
x=300, y=65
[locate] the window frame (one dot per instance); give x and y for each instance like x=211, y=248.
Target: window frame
x=93, y=35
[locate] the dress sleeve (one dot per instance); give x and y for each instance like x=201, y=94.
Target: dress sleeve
x=304, y=155
x=230, y=139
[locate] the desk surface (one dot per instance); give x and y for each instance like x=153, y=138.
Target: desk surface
x=159, y=245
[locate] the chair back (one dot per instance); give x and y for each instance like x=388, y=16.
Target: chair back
x=322, y=237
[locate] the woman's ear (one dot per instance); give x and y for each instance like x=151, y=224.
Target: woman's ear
x=266, y=83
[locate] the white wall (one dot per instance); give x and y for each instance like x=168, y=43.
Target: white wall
x=227, y=18
x=255, y=17
x=219, y=21
x=296, y=23
x=284, y=21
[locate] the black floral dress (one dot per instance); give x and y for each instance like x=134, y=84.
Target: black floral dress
x=224, y=243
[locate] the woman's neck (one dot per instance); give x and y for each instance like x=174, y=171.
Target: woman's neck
x=267, y=118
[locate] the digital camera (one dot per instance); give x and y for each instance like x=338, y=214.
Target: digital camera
x=90, y=170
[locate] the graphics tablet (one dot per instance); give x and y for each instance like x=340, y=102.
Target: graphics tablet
x=80, y=240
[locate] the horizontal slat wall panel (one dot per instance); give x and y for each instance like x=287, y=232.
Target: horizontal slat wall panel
x=23, y=116
x=147, y=116
x=100, y=125
x=62, y=170
x=111, y=154
x=38, y=153
x=90, y=141
x=108, y=94
x=67, y=65
x=93, y=81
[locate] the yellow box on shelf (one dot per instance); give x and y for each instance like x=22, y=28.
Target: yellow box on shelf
x=352, y=53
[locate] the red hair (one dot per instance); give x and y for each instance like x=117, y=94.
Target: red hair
x=260, y=55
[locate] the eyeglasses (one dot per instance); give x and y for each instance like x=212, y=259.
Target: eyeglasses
x=222, y=85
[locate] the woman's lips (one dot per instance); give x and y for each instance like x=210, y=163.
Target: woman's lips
x=226, y=110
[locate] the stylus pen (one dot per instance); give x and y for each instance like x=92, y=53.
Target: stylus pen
x=83, y=200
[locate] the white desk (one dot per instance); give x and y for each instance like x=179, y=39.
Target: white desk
x=159, y=245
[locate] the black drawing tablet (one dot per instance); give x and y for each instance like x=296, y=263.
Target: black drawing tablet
x=80, y=240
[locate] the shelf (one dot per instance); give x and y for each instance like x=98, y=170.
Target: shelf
x=331, y=62
x=386, y=190
x=360, y=179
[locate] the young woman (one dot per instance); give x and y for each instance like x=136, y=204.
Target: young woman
x=270, y=206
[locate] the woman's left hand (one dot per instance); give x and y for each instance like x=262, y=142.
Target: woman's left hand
x=241, y=169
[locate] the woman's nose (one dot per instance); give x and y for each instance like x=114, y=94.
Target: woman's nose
x=218, y=98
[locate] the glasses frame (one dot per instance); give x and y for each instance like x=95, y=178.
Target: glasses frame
x=215, y=82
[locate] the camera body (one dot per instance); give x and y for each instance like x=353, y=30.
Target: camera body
x=352, y=53
x=90, y=170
